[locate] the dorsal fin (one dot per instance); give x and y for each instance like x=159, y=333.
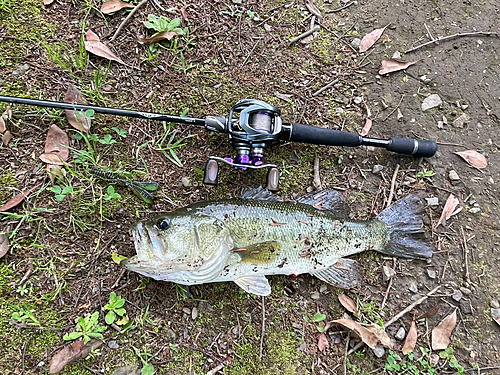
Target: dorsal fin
x=330, y=200
x=260, y=194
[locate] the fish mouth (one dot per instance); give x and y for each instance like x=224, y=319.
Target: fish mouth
x=147, y=244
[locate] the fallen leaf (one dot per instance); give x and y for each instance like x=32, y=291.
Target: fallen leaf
x=431, y=312
x=57, y=142
x=312, y=8
x=369, y=334
x=411, y=339
x=393, y=65
x=366, y=128
x=183, y=14
x=14, y=201
x=348, y=303
x=72, y=352
x=90, y=35
x=4, y=244
x=322, y=342
x=7, y=114
x=449, y=209
x=53, y=171
x=166, y=35
x=2, y=125
x=370, y=39
x=51, y=158
x=441, y=334
x=48, y=2
x=99, y=49
x=6, y=137
x=114, y=5
x=474, y=158
x=77, y=121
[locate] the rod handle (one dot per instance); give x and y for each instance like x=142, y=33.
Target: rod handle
x=415, y=147
x=321, y=136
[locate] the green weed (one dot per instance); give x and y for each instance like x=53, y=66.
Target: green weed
x=168, y=147
x=26, y=316
x=115, y=308
x=87, y=328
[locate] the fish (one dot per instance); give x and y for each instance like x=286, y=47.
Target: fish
x=258, y=235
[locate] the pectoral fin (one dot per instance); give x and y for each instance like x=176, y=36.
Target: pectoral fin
x=345, y=273
x=256, y=284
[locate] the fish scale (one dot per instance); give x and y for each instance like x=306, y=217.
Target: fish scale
x=243, y=240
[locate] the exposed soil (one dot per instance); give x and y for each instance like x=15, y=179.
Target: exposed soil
x=60, y=263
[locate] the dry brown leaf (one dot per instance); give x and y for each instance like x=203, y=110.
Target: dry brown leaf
x=2, y=125
x=14, y=201
x=57, y=142
x=53, y=171
x=411, y=339
x=183, y=14
x=7, y=114
x=322, y=342
x=312, y=8
x=75, y=97
x=48, y=2
x=366, y=128
x=369, y=334
x=431, y=312
x=393, y=65
x=348, y=303
x=114, y=6
x=4, y=244
x=72, y=352
x=370, y=39
x=441, y=334
x=99, y=49
x=449, y=209
x=6, y=137
x=166, y=35
x=474, y=158
x=90, y=35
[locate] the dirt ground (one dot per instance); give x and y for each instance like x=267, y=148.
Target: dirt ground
x=60, y=266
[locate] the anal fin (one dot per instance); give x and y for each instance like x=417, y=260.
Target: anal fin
x=345, y=273
x=256, y=284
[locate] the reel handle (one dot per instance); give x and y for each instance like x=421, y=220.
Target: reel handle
x=330, y=137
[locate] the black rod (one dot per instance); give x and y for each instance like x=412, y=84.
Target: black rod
x=105, y=110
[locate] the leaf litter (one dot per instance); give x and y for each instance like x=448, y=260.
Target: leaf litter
x=442, y=332
x=370, y=334
x=14, y=201
x=411, y=339
x=76, y=120
x=98, y=48
x=165, y=35
x=370, y=39
x=348, y=303
x=56, y=146
x=450, y=209
x=393, y=65
x=72, y=352
x=4, y=244
x=474, y=158
x=112, y=6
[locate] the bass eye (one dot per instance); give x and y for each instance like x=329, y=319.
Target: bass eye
x=163, y=224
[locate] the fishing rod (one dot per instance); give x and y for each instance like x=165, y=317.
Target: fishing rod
x=253, y=125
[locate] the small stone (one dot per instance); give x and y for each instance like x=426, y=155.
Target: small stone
x=416, y=297
x=465, y=306
x=358, y=100
x=440, y=125
x=445, y=120
x=413, y=288
x=434, y=201
x=432, y=101
x=171, y=336
x=424, y=78
x=453, y=175
x=400, y=334
x=396, y=55
x=457, y=296
x=315, y=295
x=186, y=310
x=465, y=290
x=377, y=168
x=194, y=313
x=431, y=274
x=495, y=313
x=434, y=359
x=495, y=304
x=113, y=345
x=186, y=182
x=267, y=27
x=379, y=351
x=356, y=42
x=462, y=120
x=127, y=370
x=323, y=288
x=474, y=210
x=302, y=347
x=21, y=70
x=238, y=2
x=452, y=284
x=388, y=273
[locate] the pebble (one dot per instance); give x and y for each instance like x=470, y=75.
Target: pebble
x=396, y=55
x=22, y=69
x=453, y=175
x=355, y=42
x=474, y=210
x=186, y=182
x=323, y=288
x=171, y=336
x=465, y=290
x=457, y=296
x=434, y=359
x=416, y=297
x=432, y=101
x=377, y=168
x=315, y=295
x=267, y=27
x=413, y=288
x=113, y=345
x=434, y=201
x=400, y=334
x=379, y=351
x=388, y=273
x=465, y=306
x=187, y=310
x=358, y=100
x=495, y=313
x=127, y=370
x=194, y=313
x=495, y=304
x=399, y=115
x=462, y=120
x=431, y=274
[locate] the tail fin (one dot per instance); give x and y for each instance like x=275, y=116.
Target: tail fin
x=404, y=222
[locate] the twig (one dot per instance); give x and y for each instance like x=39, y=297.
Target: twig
x=393, y=183
x=132, y=12
x=340, y=9
x=386, y=293
x=452, y=37
x=246, y=58
x=316, y=179
x=26, y=276
x=466, y=251
x=216, y=369
x=325, y=87
x=118, y=279
x=397, y=316
x=394, y=110
x=262, y=333
x=346, y=349
x=428, y=32
x=304, y=35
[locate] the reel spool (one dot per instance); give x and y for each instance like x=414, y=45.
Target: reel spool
x=252, y=126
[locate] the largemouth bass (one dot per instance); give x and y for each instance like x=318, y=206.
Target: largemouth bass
x=243, y=240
